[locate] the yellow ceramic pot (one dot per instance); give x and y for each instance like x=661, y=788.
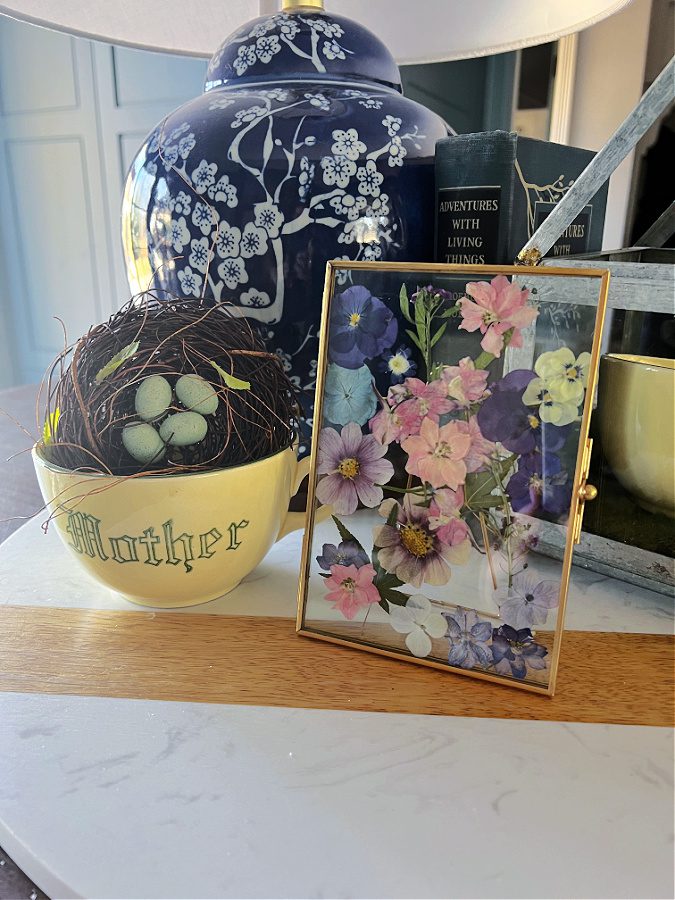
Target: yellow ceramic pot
x=173, y=540
x=636, y=403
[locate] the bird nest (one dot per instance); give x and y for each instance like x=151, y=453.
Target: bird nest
x=167, y=387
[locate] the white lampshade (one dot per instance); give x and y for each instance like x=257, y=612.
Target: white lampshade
x=415, y=31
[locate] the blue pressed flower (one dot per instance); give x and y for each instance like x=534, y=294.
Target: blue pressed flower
x=539, y=486
x=398, y=365
x=527, y=601
x=469, y=637
x=361, y=328
x=349, y=395
x=347, y=553
x=515, y=651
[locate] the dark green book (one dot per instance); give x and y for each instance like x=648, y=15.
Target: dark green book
x=495, y=188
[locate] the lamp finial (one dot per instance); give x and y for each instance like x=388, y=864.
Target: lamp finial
x=292, y=5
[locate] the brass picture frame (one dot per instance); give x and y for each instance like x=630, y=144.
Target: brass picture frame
x=582, y=289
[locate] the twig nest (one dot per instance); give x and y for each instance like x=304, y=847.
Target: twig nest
x=168, y=386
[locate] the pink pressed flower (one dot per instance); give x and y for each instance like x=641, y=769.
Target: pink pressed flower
x=395, y=424
x=385, y=425
x=465, y=384
x=410, y=417
x=351, y=589
x=437, y=454
x=494, y=309
x=412, y=402
x=411, y=550
x=480, y=450
x=428, y=399
x=452, y=532
x=444, y=517
x=449, y=502
x=408, y=404
x=397, y=394
x=353, y=467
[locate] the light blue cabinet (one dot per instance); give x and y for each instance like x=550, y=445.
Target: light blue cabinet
x=72, y=115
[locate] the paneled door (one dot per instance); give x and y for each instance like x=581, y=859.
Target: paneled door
x=72, y=115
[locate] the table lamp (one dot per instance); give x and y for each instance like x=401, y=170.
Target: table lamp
x=302, y=147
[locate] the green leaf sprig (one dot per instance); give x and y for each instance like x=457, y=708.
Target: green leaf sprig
x=113, y=364
x=50, y=426
x=236, y=384
x=427, y=309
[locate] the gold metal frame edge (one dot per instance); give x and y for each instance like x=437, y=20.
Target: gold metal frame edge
x=603, y=275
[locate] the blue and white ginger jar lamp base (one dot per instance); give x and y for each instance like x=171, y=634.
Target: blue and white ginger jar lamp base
x=301, y=149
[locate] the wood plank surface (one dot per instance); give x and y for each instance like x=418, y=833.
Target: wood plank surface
x=604, y=677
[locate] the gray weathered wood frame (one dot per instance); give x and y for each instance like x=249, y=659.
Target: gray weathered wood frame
x=645, y=287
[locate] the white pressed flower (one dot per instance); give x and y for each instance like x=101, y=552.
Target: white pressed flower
x=420, y=622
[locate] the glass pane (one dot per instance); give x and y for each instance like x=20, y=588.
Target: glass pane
x=637, y=502
x=452, y=407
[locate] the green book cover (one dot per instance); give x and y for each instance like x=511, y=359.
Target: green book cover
x=494, y=189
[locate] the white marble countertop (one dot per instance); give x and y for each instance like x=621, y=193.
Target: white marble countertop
x=155, y=799
x=119, y=798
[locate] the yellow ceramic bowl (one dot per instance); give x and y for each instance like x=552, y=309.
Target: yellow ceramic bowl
x=636, y=403
x=173, y=540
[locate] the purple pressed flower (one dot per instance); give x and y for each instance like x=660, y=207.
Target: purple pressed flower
x=527, y=601
x=468, y=636
x=398, y=364
x=539, y=486
x=504, y=417
x=515, y=651
x=434, y=292
x=352, y=467
x=347, y=553
x=517, y=380
x=361, y=328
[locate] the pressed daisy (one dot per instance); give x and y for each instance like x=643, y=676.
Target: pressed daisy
x=352, y=467
x=411, y=550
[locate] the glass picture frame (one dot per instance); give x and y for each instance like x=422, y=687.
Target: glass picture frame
x=451, y=420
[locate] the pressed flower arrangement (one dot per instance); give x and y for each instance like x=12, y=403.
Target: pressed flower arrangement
x=452, y=419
